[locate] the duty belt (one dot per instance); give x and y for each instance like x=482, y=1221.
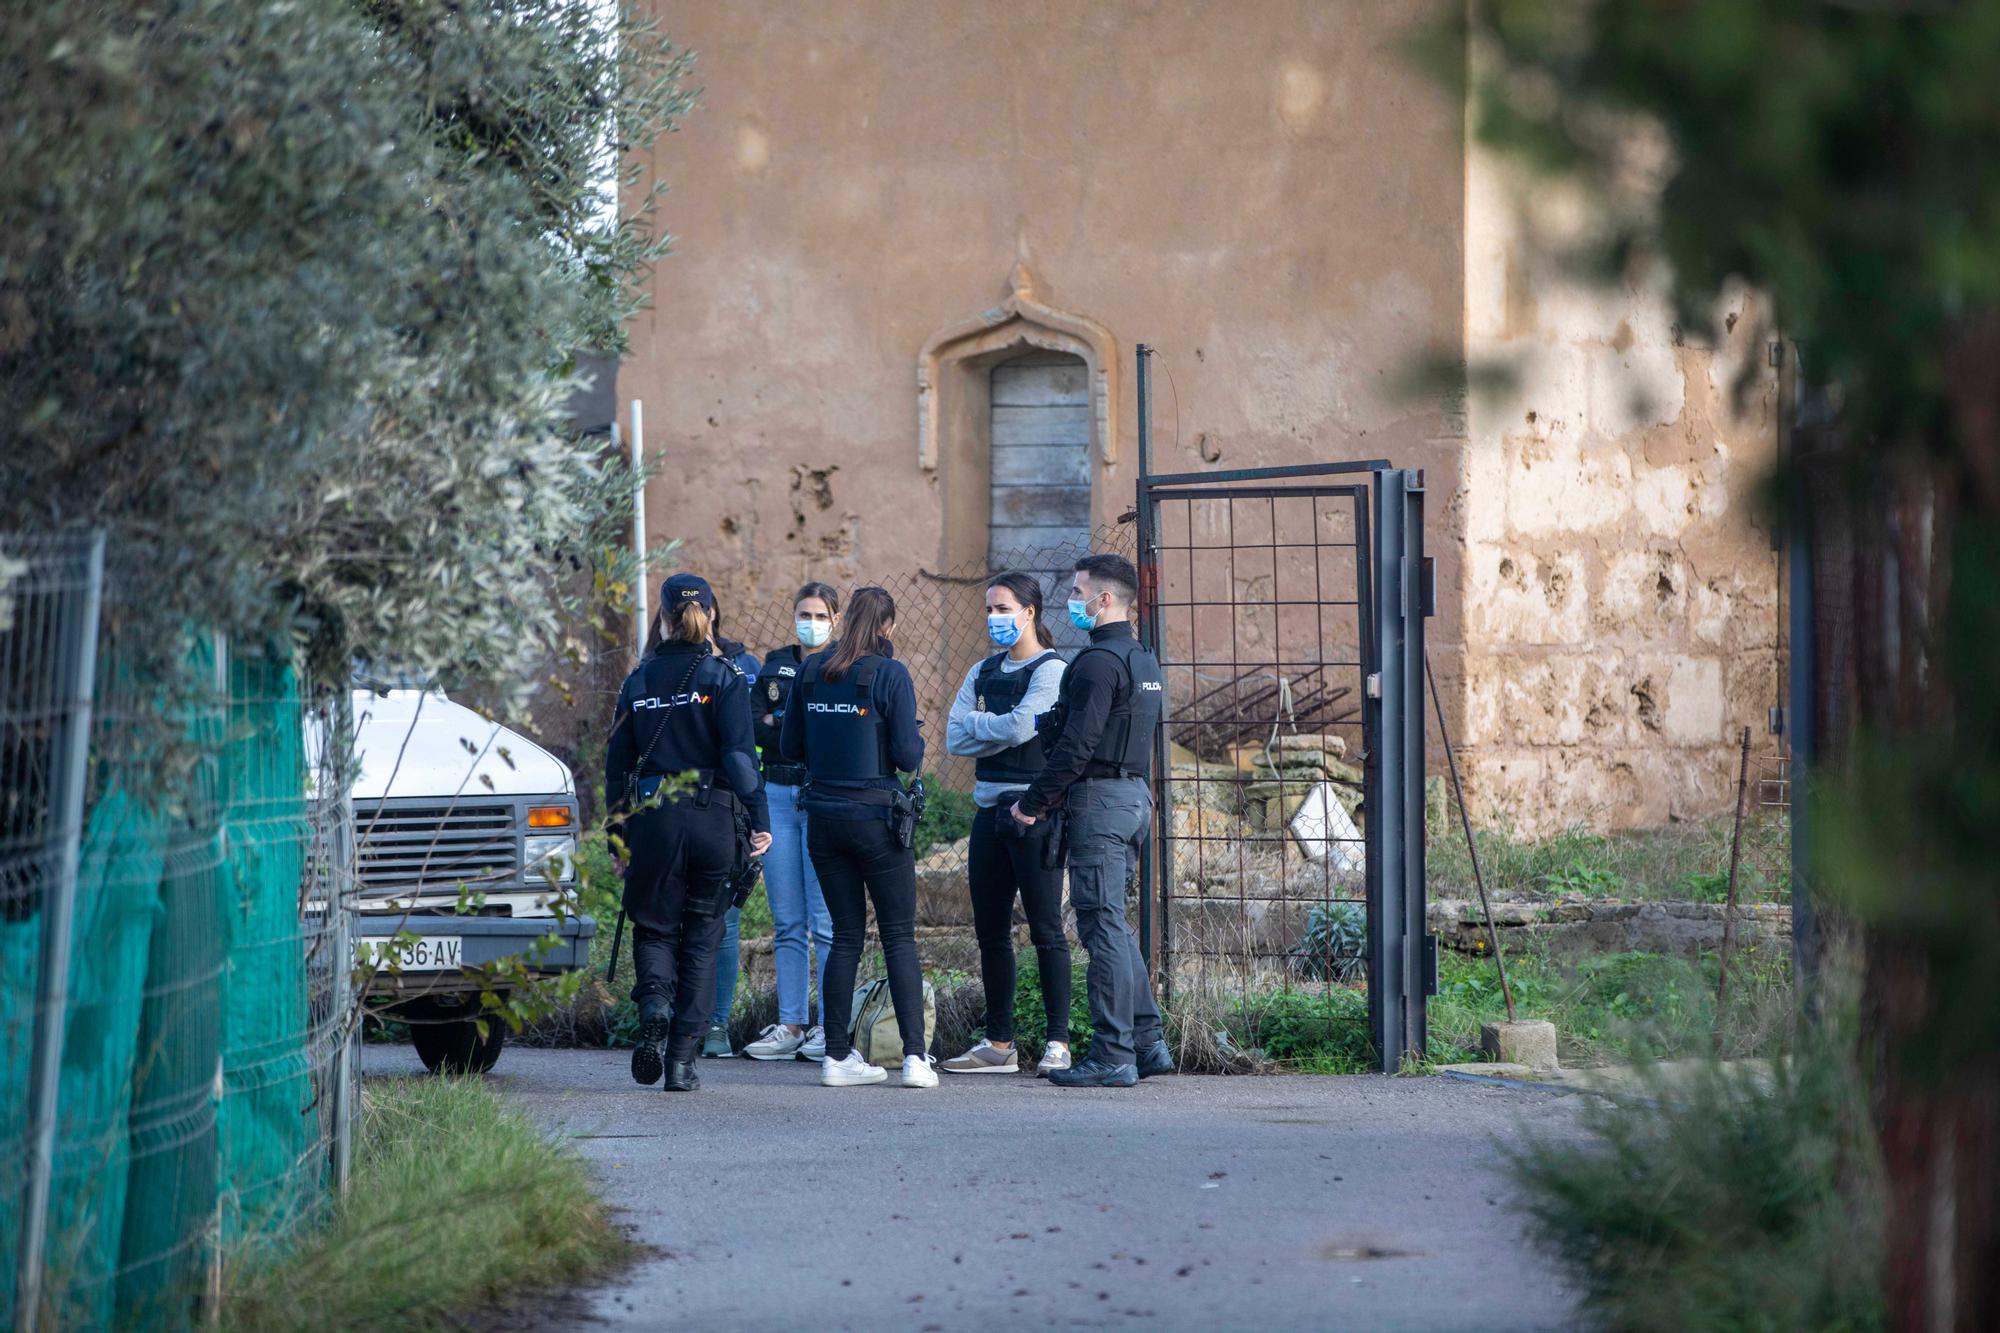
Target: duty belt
x=784, y=774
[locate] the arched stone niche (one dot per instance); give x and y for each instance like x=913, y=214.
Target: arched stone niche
x=953, y=400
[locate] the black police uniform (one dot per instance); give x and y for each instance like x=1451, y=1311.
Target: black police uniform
x=776, y=680
x=1110, y=707
x=854, y=735
x=683, y=710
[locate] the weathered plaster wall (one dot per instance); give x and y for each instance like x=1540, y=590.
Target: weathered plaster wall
x=1266, y=191
x=1619, y=595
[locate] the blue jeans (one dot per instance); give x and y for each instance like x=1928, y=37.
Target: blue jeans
x=797, y=908
x=728, y=961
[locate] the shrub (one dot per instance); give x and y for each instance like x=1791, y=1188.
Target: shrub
x=1334, y=946
x=1722, y=1204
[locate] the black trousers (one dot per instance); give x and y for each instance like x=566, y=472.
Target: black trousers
x=1001, y=865
x=676, y=895
x=856, y=860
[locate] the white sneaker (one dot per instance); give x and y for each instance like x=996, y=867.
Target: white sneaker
x=778, y=1043
x=1054, y=1057
x=851, y=1072
x=814, y=1045
x=919, y=1071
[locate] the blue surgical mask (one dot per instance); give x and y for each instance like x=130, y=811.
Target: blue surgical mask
x=813, y=633
x=1079, y=617
x=1005, y=631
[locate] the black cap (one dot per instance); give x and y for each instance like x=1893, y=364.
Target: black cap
x=681, y=589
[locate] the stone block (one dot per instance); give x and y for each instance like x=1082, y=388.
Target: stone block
x=1694, y=703
x=1514, y=595
x=1530, y=1042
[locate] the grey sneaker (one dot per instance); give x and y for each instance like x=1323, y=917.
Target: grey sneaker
x=778, y=1043
x=814, y=1046
x=985, y=1058
x=716, y=1045
x=1055, y=1057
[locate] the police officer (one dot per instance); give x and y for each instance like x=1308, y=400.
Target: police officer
x=729, y=957
x=683, y=710
x=852, y=722
x=798, y=911
x=1097, y=772
x=996, y=719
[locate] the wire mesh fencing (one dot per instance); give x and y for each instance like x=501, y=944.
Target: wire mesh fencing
x=197, y=1098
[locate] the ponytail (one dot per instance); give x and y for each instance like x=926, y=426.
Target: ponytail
x=690, y=623
x=868, y=612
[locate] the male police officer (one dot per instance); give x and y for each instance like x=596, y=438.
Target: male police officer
x=1097, y=772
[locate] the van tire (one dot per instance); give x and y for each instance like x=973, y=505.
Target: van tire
x=456, y=1047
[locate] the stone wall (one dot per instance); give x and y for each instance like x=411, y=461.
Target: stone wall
x=1620, y=594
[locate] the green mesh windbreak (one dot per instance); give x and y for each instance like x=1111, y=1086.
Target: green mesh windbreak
x=118, y=890
x=270, y=1116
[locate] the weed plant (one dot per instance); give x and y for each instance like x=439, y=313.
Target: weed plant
x=457, y=1201
x=1618, y=1007
x=1687, y=861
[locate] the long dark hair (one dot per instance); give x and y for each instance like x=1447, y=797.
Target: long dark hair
x=867, y=612
x=1027, y=590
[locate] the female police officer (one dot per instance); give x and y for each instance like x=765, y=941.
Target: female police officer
x=798, y=911
x=682, y=710
x=852, y=722
x=996, y=719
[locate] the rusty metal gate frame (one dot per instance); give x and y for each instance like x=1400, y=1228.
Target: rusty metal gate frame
x=1393, y=594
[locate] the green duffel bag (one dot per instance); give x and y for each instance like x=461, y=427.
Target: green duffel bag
x=876, y=1037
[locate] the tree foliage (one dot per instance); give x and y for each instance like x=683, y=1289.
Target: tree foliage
x=290, y=296
x=1840, y=155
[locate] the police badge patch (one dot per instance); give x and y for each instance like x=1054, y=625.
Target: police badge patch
x=773, y=693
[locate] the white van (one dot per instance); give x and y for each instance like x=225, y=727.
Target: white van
x=459, y=824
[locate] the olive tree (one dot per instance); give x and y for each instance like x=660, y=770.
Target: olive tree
x=290, y=301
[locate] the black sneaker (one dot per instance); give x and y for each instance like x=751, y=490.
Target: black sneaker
x=681, y=1076
x=1095, y=1073
x=649, y=1056
x=1155, y=1060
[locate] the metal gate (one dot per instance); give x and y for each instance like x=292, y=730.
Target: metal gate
x=1286, y=606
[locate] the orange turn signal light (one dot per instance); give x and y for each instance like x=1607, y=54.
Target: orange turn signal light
x=548, y=816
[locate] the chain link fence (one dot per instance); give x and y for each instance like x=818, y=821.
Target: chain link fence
x=174, y=1015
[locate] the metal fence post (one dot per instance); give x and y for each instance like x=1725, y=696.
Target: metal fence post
x=346, y=1024
x=1398, y=940
x=78, y=669
x=1153, y=867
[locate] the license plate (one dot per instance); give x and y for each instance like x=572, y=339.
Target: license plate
x=426, y=953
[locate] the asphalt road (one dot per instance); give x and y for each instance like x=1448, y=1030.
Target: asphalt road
x=1000, y=1202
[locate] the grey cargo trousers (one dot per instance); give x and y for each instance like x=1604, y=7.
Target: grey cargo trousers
x=1109, y=819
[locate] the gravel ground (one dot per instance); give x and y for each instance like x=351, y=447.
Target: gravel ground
x=1000, y=1202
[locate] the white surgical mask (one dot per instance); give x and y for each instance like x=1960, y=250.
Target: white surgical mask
x=813, y=633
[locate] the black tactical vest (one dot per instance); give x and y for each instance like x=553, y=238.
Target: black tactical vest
x=776, y=680
x=1126, y=745
x=674, y=725
x=847, y=739
x=1001, y=691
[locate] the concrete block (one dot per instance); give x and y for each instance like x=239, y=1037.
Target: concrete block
x=1530, y=1042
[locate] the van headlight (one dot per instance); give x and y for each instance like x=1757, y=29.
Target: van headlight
x=540, y=855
